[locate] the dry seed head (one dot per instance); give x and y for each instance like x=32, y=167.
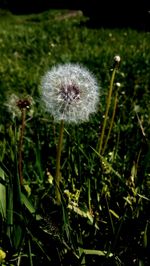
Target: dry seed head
x=117, y=60
x=70, y=92
x=15, y=104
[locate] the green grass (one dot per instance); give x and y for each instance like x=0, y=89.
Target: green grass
x=104, y=218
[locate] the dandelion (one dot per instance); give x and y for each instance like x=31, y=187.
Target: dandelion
x=70, y=93
x=18, y=107
x=16, y=104
x=117, y=60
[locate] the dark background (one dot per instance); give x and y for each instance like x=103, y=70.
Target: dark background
x=101, y=13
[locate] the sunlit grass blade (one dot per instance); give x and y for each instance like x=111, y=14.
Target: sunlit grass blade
x=2, y=194
x=30, y=207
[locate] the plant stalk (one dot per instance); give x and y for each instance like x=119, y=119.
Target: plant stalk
x=101, y=140
x=111, y=122
x=20, y=160
x=58, y=158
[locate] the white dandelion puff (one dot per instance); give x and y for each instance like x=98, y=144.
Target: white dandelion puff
x=70, y=92
x=117, y=58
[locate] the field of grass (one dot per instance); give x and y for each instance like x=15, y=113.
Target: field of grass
x=103, y=217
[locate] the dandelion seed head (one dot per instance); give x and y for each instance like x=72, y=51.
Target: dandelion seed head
x=117, y=58
x=70, y=92
x=15, y=104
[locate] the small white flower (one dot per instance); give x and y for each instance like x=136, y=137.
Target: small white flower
x=70, y=92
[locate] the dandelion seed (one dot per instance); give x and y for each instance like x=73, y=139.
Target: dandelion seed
x=70, y=93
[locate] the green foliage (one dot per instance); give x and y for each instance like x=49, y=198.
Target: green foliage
x=104, y=216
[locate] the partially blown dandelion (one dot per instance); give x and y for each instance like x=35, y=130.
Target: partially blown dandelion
x=70, y=93
x=18, y=107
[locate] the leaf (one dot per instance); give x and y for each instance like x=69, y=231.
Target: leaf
x=97, y=252
x=145, y=241
x=2, y=177
x=143, y=197
x=82, y=213
x=114, y=213
x=2, y=193
x=30, y=207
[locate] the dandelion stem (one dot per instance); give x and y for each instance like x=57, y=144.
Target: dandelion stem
x=58, y=175
x=111, y=122
x=107, y=110
x=20, y=160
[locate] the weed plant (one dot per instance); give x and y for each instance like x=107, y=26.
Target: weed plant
x=103, y=218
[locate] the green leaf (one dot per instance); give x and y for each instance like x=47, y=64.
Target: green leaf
x=83, y=213
x=97, y=252
x=145, y=241
x=2, y=193
x=30, y=207
x=143, y=197
x=114, y=213
x=2, y=177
